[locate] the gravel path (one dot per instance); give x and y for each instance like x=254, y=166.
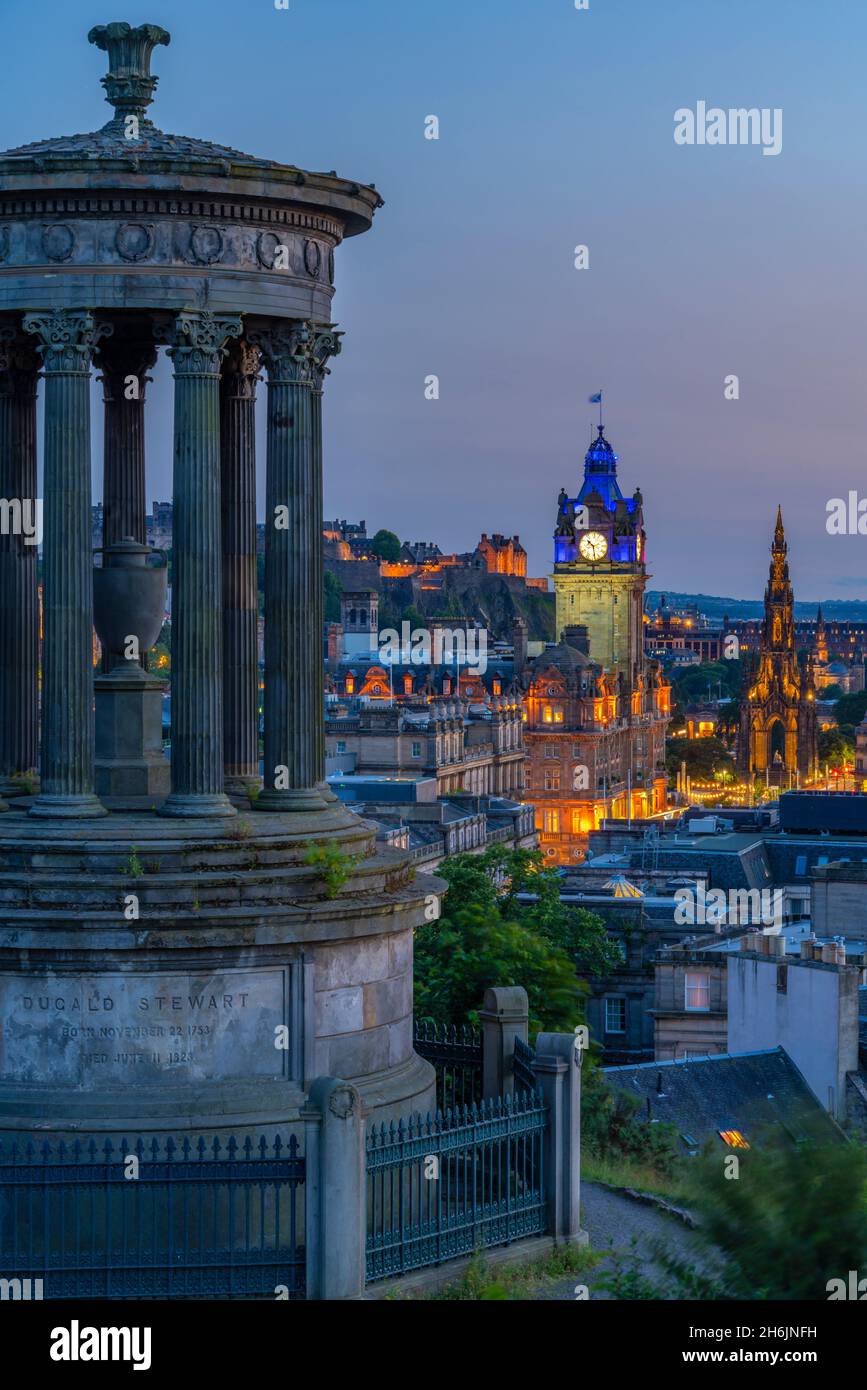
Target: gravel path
x=612, y=1220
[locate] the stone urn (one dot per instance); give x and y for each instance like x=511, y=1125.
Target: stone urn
x=129, y=599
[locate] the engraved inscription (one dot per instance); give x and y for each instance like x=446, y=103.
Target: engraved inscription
x=118, y=1028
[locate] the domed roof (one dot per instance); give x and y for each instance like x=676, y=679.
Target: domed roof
x=600, y=451
x=130, y=150
x=561, y=656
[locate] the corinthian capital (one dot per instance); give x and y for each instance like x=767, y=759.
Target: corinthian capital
x=122, y=357
x=324, y=343
x=197, y=340
x=241, y=371
x=286, y=352
x=66, y=338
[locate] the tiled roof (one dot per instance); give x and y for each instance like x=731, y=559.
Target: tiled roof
x=111, y=143
x=755, y=1093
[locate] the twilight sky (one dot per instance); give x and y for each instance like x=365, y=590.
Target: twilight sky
x=556, y=128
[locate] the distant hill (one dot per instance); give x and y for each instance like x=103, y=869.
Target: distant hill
x=840, y=610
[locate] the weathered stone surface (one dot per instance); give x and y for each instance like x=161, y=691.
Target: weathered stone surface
x=197, y=348
x=339, y=1011
x=19, y=625
x=347, y=964
x=240, y=591
x=131, y=1028
x=363, y=1053
x=385, y=1001
x=175, y=240
x=65, y=341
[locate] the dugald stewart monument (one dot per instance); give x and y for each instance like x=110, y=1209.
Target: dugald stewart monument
x=185, y=943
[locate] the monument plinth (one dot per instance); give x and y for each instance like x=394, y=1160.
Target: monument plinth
x=168, y=961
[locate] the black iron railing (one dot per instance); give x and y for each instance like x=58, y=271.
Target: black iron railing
x=456, y=1055
x=439, y=1185
x=523, y=1062
x=190, y=1219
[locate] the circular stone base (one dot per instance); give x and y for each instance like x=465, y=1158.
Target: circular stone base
x=52, y=807
x=289, y=801
x=195, y=976
x=185, y=806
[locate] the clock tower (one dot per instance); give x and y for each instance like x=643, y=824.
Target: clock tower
x=595, y=711
x=599, y=564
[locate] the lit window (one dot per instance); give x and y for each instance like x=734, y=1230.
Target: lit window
x=548, y=715
x=733, y=1138
x=697, y=990
x=552, y=779
x=615, y=1015
x=551, y=822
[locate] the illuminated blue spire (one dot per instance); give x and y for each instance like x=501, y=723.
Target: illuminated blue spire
x=600, y=472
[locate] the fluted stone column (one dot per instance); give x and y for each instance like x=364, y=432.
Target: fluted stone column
x=293, y=704
x=240, y=592
x=197, y=347
x=65, y=340
x=325, y=344
x=20, y=529
x=125, y=362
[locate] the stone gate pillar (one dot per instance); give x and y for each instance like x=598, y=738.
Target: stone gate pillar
x=240, y=590
x=197, y=347
x=66, y=339
x=293, y=540
x=19, y=600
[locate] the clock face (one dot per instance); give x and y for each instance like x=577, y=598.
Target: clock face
x=593, y=546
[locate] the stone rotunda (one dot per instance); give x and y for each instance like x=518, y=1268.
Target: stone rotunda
x=183, y=946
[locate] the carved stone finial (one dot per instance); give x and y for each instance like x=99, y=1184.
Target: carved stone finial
x=129, y=86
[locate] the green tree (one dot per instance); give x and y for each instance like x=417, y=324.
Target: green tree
x=458, y=957
x=836, y=746
x=386, y=545
x=850, y=709
x=794, y=1220
x=691, y=685
x=704, y=757
x=487, y=937
x=579, y=932
x=412, y=616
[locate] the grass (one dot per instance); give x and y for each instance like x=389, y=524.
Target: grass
x=481, y=1283
x=623, y=1172
x=134, y=867
x=332, y=865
